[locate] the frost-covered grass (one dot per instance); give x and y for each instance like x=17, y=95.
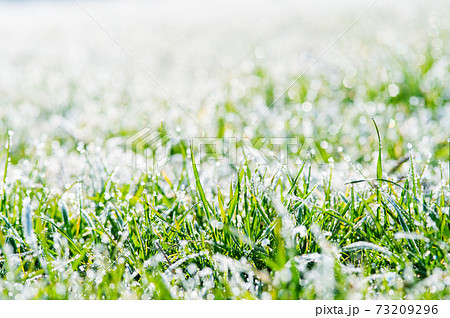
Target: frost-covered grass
x=364, y=216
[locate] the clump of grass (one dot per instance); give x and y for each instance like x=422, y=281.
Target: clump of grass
x=271, y=235
x=368, y=219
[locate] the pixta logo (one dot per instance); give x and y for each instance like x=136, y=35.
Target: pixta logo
x=149, y=149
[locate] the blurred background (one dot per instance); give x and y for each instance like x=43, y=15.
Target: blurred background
x=94, y=72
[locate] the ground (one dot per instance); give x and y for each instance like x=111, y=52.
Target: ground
x=220, y=150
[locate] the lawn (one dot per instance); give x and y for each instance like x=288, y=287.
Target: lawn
x=198, y=150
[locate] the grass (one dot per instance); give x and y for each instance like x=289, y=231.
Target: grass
x=363, y=216
x=278, y=237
